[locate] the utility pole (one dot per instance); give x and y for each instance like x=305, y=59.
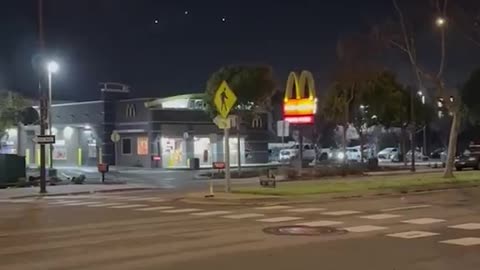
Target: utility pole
x=227, y=159
x=43, y=100
x=413, y=128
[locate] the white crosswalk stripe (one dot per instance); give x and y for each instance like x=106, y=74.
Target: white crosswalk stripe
x=467, y=241
x=305, y=210
x=406, y=208
x=80, y=203
x=128, y=206
x=185, y=210
x=320, y=223
x=412, y=234
x=154, y=208
x=341, y=213
x=279, y=219
x=64, y=202
x=242, y=216
x=467, y=226
x=105, y=204
x=365, y=228
x=423, y=221
x=142, y=199
x=211, y=213
x=273, y=207
x=380, y=216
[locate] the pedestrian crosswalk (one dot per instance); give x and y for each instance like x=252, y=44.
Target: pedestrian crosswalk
x=390, y=222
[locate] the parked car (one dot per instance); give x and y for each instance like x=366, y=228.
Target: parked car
x=419, y=156
x=287, y=155
x=436, y=154
x=469, y=159
x=352, y=154
x=388, y=154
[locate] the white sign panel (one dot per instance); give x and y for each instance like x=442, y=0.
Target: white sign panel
x=283, y=128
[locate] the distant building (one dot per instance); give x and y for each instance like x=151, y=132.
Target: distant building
x=152, y=133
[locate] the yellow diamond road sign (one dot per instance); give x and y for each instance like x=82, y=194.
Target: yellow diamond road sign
x=224, y=99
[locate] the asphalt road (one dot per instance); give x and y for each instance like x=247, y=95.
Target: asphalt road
x=148, y=230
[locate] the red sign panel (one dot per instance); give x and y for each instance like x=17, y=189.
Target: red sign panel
x=299, y=119
x=218, y=165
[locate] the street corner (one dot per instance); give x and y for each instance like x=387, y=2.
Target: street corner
x=223, y=198
x=64, y=190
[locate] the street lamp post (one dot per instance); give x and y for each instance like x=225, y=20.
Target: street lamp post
x=422, y=96
x=52, y=67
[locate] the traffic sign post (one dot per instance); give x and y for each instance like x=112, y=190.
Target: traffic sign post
x=45, y=139
x=224, y=100
x=115, y=137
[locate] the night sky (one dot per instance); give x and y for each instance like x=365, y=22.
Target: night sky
x=162, y=48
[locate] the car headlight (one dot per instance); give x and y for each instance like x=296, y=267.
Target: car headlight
x=341, y=155
x=472, y=159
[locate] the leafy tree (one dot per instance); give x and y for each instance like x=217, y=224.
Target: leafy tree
x=253, y=85
x=403, y=35
x=356, y=68
x=13, y=110
x=470, y=95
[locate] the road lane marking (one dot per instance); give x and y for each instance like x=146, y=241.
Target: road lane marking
x=128, y=206
x=423, y=221
x=406, y=208
x=278, y=219
x=211, y=213
x=305, y=210
x=467, y=241
x=242, y=216
x=142, y=199
x=185, y=210
x=273, y=207
x=365, y=228
x=63, y=202
x=412, y=234
x=157, y=200
x=81, y=203
x=467, y=226
x=154, y=208
x=320, y=223
x=105, y=204
x=341, y=213
x=380, y=216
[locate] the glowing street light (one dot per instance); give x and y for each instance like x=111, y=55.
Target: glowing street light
x=440, y=21
x=52, y=67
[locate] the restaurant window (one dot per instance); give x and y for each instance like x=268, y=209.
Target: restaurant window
x=126, y=146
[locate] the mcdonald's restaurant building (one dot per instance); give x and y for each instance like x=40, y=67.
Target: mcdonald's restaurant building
x=145, y=132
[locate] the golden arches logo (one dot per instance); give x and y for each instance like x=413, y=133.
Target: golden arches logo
x=302, y=84
x=300, y=105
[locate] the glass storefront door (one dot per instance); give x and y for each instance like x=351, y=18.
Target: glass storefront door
x=173, y=152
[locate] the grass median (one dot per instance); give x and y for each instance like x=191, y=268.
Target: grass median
x=397, y=183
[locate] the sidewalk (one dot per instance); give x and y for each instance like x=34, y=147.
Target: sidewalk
x=386, y=173
x=12, y=193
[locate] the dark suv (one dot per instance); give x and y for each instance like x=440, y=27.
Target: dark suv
x=469, y=159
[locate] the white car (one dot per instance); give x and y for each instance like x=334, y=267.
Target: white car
x=352, y=154
x=388, y=154
x=419, y=156
x=292, y=152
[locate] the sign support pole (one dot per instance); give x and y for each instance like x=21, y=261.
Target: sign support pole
x=227, y=160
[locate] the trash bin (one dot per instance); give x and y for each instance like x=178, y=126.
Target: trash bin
x=12, y=169
x=372, y=164
x=194, y=163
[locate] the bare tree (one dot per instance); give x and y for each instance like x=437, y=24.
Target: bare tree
x=406, y=42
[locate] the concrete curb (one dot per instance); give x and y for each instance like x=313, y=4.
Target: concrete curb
x=320, y=197
x=82, y=193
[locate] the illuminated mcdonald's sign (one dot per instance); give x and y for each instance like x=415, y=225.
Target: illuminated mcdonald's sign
x=300, y=102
